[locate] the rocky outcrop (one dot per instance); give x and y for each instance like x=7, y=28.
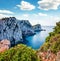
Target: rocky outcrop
x=9, y=29
x=4, y=45
x=58, y=56
x=47, y=56
x=26, y=28
x=14, y=30
x=37, y=27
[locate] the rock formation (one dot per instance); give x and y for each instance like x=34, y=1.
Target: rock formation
x=4, y=45
x=9, y=29
x=14, y=30
x=37, y=27
x=58, y=56
x=26, y=28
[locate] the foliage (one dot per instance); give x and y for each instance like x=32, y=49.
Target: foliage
x=53, y=40
x=19, y=53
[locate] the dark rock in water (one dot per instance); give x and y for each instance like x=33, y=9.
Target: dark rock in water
x=37, y=28
x=14, y=30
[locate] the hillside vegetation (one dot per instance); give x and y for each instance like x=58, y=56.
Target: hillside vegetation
x=19, y=53
x=53, y=40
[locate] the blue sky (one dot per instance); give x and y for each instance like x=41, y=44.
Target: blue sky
x=44, y=12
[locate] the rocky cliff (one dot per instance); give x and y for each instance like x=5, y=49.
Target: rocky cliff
x=37, y=27
x=10, y=29
x=14, y=30
x=26, y=28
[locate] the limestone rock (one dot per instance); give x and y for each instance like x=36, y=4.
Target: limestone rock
x=14, y=30
x=37, y=27
x=26, y=28
x=10, y=30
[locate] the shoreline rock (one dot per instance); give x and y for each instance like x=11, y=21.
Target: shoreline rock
x=14, y=30
x=37, y=28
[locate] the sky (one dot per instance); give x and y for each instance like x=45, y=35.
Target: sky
x=44, y=12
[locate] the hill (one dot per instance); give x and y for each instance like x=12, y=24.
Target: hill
x=19, y=53
x=53, y=40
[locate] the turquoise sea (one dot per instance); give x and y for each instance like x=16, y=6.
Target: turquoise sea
x=38, y=39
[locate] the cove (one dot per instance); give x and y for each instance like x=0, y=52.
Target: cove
x=38, y=39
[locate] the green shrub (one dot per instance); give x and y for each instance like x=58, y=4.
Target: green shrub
x=53, y=40
x=19, y=53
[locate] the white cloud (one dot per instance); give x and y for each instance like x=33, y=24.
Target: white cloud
x=48, y=20
x=26, y=15
x=3, y=15
x=23, y=16
x=45, y=21
x=42, y=14
x=49, y=4
x=40, y=18
x=6, y=12
x=26, y=6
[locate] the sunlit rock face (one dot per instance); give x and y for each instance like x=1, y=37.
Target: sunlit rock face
x=14, y=30
x=9, y=29
x=26, y=28
x=37, y=27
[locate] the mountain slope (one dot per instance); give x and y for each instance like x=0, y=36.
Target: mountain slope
x=53, y=40
x=19, y=53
